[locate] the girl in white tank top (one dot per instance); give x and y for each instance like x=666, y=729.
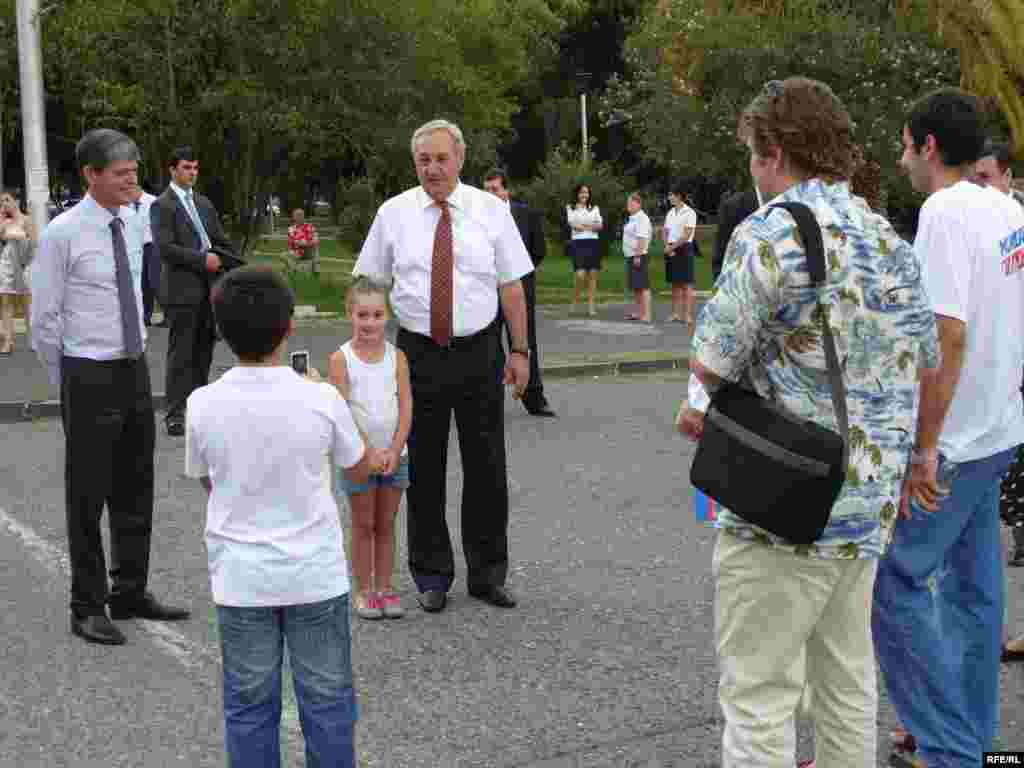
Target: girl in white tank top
x=373, y=377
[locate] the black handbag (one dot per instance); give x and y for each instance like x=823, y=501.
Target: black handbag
x=771, y=467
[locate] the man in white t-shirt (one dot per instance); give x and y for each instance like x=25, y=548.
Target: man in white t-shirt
x=636, y=240
x=258, y=439
x=939, y=595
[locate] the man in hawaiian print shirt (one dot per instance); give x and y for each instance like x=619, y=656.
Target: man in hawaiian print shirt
x=789, y=617
x=302, y=237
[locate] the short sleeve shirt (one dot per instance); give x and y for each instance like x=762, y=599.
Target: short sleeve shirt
x=677, y=220
x=970, y=241
x=488, y=250
x=638, y=227
x=305, y=232
x=265, y=437
x=762, y=325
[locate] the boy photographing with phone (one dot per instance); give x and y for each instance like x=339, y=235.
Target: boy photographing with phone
x=256, y=440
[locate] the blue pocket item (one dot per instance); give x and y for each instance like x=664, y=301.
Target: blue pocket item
x=706, y=508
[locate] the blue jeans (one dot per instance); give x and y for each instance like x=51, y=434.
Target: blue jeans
x=319, y=651
x=938, y=613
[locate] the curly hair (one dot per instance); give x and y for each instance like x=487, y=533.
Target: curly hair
x=808, y=122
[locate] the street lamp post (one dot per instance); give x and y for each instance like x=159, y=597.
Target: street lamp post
x=584, y=80
x=33, y=116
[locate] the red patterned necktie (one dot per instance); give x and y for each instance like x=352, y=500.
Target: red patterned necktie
x=441, y=279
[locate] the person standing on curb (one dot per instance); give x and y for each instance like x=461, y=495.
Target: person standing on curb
x=531, y=229
x=680, y=250
x=195, y=251
x=636, y=240
x=451, y=250
x=87, y=329
x=945, y=560
x=150, y=258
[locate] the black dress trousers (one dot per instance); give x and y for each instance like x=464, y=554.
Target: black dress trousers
x=110, y=433
x=464, y=379
x=190, y=342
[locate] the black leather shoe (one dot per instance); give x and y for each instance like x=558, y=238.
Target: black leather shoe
x=433, y=600
x=148, y=607
x=96, y=629
x=1007, y=655
x=176, y=428
x=540, y=410
x=1017, y=561
x=498, y=596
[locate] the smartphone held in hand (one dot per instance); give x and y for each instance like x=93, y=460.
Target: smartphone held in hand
x=300, y=362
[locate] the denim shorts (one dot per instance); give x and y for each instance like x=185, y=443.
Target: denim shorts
x=400, y=480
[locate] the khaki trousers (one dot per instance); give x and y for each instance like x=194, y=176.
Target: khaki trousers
x=785, y=623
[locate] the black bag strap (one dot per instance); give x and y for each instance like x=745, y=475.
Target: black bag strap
x=814, y=248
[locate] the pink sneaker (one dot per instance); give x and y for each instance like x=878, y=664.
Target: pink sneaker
x=368, y=605
x=391, y=605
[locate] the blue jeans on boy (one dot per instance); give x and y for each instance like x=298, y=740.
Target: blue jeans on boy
x=319, y=652
x=938, y=614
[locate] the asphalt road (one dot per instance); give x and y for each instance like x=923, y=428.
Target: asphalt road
x=607, y=661
x=561, y=336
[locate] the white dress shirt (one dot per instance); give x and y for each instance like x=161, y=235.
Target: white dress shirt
x=263, y=435
x=145, y=202
x=677, y=220
x=188, y=201
x=76, y=311
x=487, y=247
x=579, y=216
x=638, y=227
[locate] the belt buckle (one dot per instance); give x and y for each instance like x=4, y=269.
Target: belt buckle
x=450, y=345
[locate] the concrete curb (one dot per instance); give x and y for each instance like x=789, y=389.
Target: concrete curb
x=13, y=412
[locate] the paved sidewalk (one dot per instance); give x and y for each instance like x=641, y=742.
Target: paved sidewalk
x=571, y=344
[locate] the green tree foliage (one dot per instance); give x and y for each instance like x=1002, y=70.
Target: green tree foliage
x=552, y=190
x=283, y=93
x=691, y=72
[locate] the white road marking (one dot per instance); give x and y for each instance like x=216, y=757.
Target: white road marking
x=606, y=328
x=169, y=640
x=189, y=654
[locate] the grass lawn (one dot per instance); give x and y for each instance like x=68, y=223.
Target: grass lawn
x=555, y=279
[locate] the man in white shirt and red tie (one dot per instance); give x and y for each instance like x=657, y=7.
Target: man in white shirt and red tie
x=87, y=328
x=452, y=250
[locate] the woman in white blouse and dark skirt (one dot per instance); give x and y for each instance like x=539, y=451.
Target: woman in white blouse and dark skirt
x=679, y=229
x=585, y=246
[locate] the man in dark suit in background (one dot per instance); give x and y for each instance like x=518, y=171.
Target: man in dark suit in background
x=193, y=250
x=731, y=211
x=531, y=229
x=150, y=258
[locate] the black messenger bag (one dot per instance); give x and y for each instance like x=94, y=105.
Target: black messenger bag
x=770, y=467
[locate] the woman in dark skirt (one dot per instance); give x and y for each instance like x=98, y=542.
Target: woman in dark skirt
x=680, y=250
x=585, y=222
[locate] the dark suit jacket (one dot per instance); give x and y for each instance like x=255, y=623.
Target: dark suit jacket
x=731, y=212
x=531, y=229
x=184, y=277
